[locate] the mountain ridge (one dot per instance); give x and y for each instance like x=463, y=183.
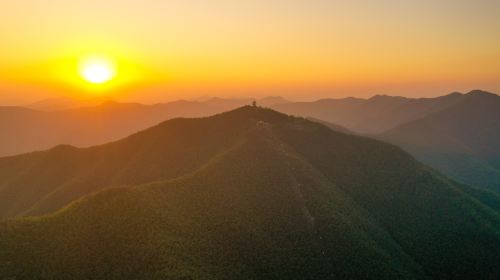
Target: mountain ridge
x=461, y=141
x=281, y=198
x=373, y=115
x=26, y=129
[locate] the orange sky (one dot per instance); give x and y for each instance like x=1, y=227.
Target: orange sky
x=296, y=48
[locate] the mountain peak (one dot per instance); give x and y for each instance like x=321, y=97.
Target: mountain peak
x=256, y=113
x=385, y=97
x=480, y=92
x=379, y=96
x=455, y=93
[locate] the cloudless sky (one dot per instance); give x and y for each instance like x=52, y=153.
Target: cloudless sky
x=296, y=48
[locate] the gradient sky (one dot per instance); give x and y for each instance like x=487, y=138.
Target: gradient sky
x=296, y=48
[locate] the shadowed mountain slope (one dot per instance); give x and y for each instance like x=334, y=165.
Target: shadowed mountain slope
x=248, y=194
x=368, y=116
x=332, y=126
x=462, y=141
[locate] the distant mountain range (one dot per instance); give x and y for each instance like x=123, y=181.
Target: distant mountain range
x=462, y=140
x=67, y=103
x=64, y=103
x=457, y=134
x=370, y=116
x=25, y=130
x=247, y=194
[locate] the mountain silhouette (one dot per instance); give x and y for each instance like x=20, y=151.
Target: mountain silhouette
x=462, y=141
x=332, y=126
x=369, y=116
x=25, y=129
x=64, y=103
x=458, y=134
x=247, y=194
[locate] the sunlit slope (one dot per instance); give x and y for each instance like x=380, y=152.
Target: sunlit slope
x=276, y=198
x=85, y=123
x=24, y=130
x=41, y=182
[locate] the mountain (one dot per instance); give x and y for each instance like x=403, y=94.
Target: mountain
x=228, y=102
x=369, y=116
x=332, y=126
x=272, y=100
x=458, y=134
x=26, y=130
x=247, y=194
x=238, y=102
x=63, y=103
x=462, y=141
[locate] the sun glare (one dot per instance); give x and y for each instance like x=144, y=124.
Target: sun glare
x=97, y=70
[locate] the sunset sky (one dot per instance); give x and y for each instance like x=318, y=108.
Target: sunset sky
x=304, y=49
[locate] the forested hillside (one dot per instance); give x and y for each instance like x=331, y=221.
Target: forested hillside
x=462, y=141
x=248, y=194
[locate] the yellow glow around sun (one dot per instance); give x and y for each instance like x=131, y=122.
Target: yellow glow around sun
x=97, y=70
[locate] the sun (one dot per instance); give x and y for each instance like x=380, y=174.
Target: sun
x=97, y=69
